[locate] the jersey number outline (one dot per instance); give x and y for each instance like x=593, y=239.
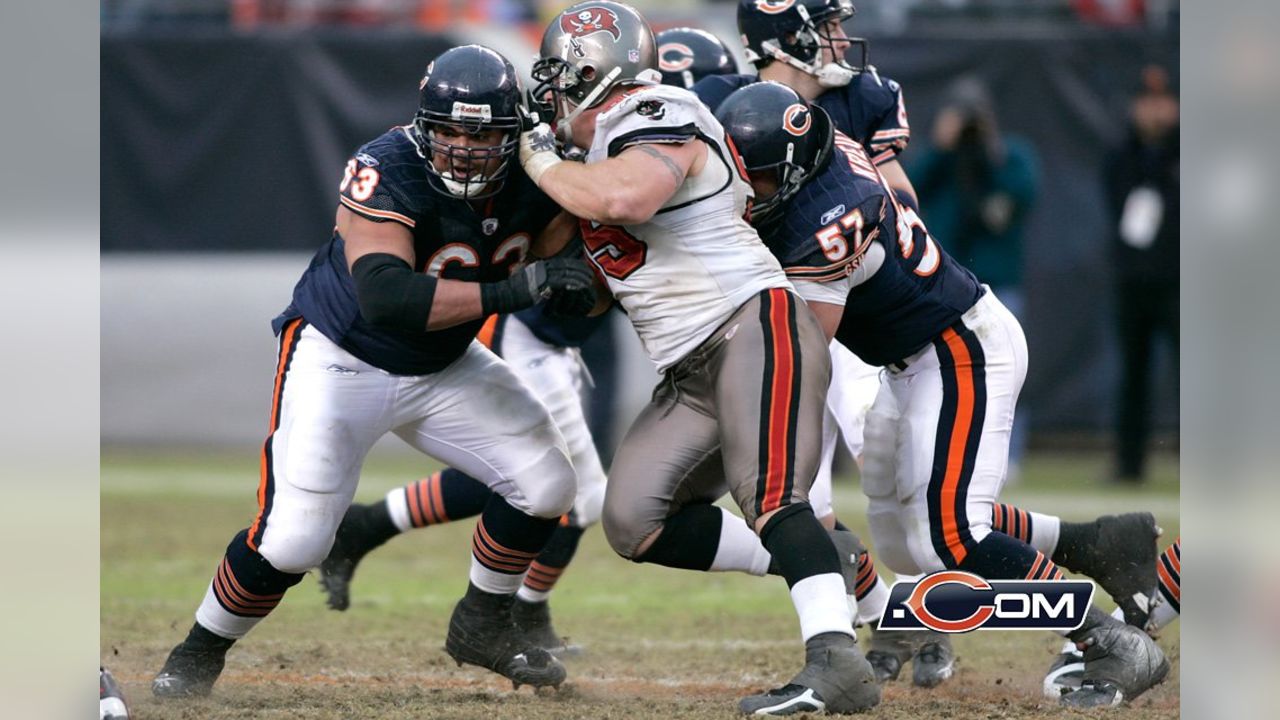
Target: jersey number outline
x=616, y=251
x=362, y=182
x=466, y=256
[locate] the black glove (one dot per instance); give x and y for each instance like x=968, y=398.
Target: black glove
x=574, y=293
x=538, y=281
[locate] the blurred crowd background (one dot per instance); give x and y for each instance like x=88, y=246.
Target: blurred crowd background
x=1044, y=149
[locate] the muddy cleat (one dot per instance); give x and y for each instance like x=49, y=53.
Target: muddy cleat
x=354, y=540
x=890, y=650
x=533, y=619
x=1120, y=662
x=836, y=678
x=189, y=672
x=481, y=632
x=934, y=662
x=1119, y=552
x=1065, y=674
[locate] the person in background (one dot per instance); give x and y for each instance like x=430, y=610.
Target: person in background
x=1142, y=191
x=976, y=187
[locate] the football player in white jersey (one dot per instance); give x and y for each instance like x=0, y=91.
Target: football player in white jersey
x=663, y=204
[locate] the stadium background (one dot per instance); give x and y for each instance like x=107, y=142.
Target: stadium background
x=225, y=127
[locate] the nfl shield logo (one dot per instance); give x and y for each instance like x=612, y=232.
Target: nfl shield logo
x=489, y=226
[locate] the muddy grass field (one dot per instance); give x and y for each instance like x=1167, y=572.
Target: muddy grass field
x=658, y=643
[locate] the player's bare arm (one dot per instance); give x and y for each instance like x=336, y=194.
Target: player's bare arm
x=828, y=315
x=553, y=240
x=624, y=190
x=896, y=176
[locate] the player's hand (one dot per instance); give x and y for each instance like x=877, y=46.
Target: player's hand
x=571, y=284
x=538, y=151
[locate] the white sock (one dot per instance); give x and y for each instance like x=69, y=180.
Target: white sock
x=1044, y=532
x=822, y=605
x=215, y=618
x=740, y=549
x=871, y=606
x=398, y=508
x=528, y=594
x=492, y=581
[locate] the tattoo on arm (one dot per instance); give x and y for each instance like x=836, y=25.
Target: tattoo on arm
x=676, y=173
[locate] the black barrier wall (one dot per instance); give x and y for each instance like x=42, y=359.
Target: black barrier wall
x=225, y=142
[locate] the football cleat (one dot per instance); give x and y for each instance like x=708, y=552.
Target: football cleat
x=1123, y=562
x=934, y=662
x=889, y=651
x=1065, y=674
x=189, y=672
x=1120, y=663
x=836, y=678
x=533, y=619
x=111, y=704
x=349, y=546
x=483, y=634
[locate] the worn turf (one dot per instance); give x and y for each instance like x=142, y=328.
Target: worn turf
x=659, y=643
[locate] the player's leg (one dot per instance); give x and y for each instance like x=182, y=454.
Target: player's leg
x=322, y=425
x=769, y=380
x=957, y=401
x=1117, y=551
x=478, y=417
x=557, y=377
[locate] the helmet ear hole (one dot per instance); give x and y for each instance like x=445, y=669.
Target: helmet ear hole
x=588, y=72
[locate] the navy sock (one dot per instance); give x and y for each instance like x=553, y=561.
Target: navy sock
x=689, y=539
x=1000, y=557
x=800, y=546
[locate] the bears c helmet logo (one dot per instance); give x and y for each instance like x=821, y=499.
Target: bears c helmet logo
x=674, y=57
x=589, y=21
x=774, y=7
x=797, y=120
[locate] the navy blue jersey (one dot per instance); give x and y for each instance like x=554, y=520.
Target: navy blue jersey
x=869, y=109
x=845, y=231
x=387, y=181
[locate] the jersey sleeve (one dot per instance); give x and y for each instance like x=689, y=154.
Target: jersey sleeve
x=828, y=246
x=889, y=130
x=653, y=115
x=373, y=188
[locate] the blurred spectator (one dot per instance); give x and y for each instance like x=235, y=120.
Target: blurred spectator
x=976, y=186
x=1142, y=188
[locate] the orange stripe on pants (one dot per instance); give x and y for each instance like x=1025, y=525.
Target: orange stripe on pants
x=288, y=340
x=959, y=439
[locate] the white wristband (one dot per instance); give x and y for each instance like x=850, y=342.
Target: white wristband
x=539, y=163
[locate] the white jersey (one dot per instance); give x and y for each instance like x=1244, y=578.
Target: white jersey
x=680, y=275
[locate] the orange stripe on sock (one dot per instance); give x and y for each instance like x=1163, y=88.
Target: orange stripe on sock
x=1168, y=582
x=437, y=497
x=415, y=508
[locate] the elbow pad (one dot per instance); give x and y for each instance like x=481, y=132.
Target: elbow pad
x=391, y=294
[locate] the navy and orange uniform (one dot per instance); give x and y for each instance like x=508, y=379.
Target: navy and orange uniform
x=387, y=181
x=869, y=109
x=843, y=240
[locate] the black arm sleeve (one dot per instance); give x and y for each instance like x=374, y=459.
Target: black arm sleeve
x=390, y=293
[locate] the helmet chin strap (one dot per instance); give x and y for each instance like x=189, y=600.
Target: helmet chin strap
x=564, y=125
x=830, y=75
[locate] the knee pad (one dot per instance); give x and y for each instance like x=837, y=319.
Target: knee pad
x=546, y=488
x=880, y=456
x=296, y=551
x=890, y=541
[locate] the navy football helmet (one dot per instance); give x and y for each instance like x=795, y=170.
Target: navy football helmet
x=471, y=90
x=790, y=31
x=686, y=55
x=773, y=128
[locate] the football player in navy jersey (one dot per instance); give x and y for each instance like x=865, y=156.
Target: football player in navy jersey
x=955, y=359
x=542, y=348
x=434, y=223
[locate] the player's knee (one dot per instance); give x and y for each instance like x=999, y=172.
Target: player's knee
x=546, y=488
x=625, y=529
x=296, y=552
x=927, y=556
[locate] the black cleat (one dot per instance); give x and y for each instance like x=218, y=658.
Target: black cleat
x=1120, y=663
x=353, y=541
x=1121, y=558
x=836, y=678
x=481, y=632
x=889, y=651
x=189, y=672
x=935, y=662
x=533, y=619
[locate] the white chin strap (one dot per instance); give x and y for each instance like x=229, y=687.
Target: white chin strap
x=564, y=125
